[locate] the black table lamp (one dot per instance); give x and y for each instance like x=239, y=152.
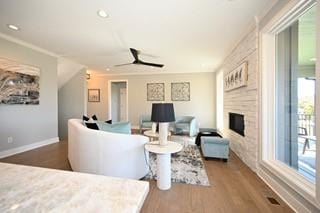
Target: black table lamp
x=163, y=113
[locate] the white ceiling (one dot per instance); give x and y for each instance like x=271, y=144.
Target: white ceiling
x=185, y=35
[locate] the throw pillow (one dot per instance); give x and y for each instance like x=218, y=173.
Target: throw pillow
x=121, y=127
x=92, y=126
x=85, y=118
x=94, y=117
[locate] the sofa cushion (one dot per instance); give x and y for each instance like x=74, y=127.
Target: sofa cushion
x=184, y=126
x=92, y=125
x=121, y=127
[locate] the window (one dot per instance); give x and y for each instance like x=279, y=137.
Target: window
x=289, y=96
x=295, y=94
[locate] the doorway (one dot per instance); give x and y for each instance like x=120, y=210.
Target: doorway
x=118, y=100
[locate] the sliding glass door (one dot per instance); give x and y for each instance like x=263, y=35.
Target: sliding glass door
x=295, y=95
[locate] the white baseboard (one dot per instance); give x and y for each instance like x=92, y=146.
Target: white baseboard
x=28, y=147
x=287, y=197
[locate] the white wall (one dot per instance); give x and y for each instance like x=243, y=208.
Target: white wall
x=202, y=91
x=33, y=123
x=66, y=70
x=72, y=101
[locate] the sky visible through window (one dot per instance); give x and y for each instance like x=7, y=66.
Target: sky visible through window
x=306, y=88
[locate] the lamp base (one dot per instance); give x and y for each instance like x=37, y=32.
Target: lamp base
x=154, y=127
x=163, y=133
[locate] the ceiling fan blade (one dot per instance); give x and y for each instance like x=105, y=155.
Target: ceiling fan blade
x=119, y=65
x=150, y=64
x=135, y=53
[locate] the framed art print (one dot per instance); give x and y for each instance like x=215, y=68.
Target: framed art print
x=155, y=91
x=180, y=91
x=93, y=95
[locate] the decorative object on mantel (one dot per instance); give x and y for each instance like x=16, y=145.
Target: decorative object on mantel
x=19, y=83
x=155, y=91
x=180, y=91
x=93, y=95
x=186, y=167
x=236, y=78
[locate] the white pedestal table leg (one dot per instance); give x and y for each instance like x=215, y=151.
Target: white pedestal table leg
x=164, y=171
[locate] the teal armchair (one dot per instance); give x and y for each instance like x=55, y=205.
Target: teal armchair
x=145, y=122
x=186, y=124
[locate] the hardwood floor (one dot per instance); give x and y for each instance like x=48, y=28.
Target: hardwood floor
x=234, y=187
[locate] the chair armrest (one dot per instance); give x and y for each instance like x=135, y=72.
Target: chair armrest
x=193, y=129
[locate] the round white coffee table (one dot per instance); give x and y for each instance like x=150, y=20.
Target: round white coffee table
x=163, y=161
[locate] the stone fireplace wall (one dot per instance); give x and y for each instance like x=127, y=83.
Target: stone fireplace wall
x=244, y=100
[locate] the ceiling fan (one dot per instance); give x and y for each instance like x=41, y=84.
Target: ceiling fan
x=137, y=61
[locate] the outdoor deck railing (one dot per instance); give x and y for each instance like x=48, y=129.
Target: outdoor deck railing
x=307, y=121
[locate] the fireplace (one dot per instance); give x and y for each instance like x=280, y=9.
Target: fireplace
x=236, y=123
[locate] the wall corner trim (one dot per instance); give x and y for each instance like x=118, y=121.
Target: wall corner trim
x=28, y=147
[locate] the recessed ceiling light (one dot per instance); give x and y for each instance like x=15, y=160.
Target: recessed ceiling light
x=13, y=27
x=103, y=14
x=313, y=59
x=108, y=69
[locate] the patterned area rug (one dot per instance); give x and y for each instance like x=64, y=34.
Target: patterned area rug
x=186, y=167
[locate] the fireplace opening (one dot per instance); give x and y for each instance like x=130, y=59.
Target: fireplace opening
x=236, y=123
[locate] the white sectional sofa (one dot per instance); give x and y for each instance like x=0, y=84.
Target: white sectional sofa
x=106, y=153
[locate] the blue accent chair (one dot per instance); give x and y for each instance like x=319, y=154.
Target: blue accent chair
x=215, y=147
x=145, y=122
x=186, y=124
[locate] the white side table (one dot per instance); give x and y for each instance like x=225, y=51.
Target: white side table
x=153, y=135
x=163, y=161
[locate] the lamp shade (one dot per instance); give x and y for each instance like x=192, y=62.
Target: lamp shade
x=162, y=112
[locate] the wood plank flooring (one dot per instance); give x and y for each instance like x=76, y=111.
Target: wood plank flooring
x=234, y=187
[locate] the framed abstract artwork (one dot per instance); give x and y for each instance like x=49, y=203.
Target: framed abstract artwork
x=155, y=91
x=236, y=78
x=19, y=83
x=93, y=95
x=180, y=91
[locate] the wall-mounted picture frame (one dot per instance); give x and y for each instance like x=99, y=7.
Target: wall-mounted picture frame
x=93, y=95
x=19, y=83
x=180, y=91
x=155, y=92
x=236, y=78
